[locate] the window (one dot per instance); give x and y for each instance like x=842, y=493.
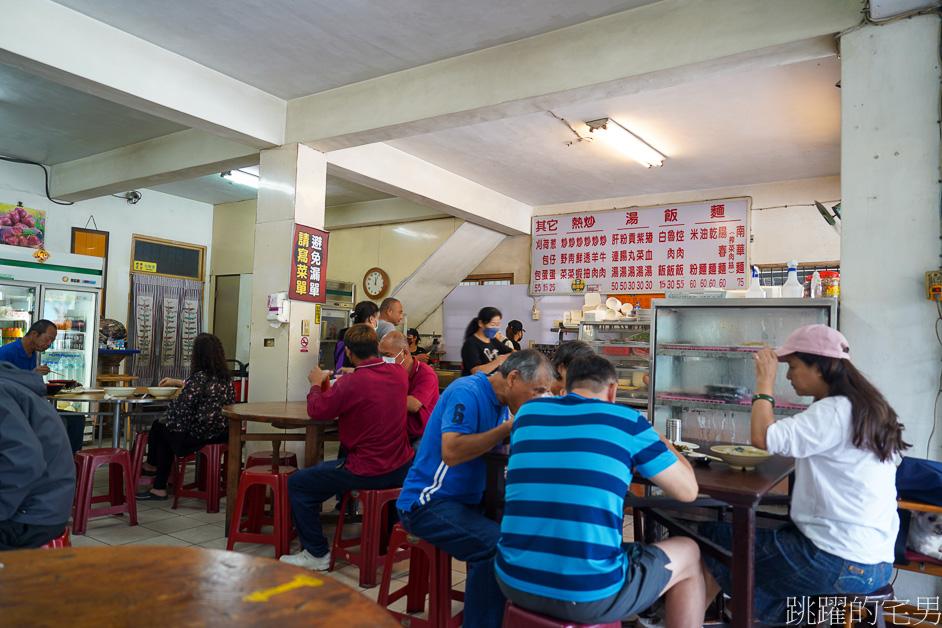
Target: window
x=776, y=274
x=504, y=279
x=167, y=258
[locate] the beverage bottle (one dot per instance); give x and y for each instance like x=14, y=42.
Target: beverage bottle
x=755, y=290
x=815, y=285
x=792, y=287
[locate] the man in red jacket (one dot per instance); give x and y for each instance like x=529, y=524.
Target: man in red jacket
x=423, y=384
x=369, y=405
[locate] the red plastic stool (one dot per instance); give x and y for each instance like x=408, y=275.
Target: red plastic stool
x=209, y=484
x=372, y=534
x=282, y=534
x=260, y=458
x=63, y=540
x=86, y=462
x=516, y=617
x=429, y=570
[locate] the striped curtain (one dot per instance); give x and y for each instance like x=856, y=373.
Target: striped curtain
x=166, y=315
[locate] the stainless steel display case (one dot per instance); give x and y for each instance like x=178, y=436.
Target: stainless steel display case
x=703, y=372
x=614, y=340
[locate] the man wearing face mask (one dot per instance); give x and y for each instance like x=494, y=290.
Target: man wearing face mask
x=423, y=384
x=369, y=406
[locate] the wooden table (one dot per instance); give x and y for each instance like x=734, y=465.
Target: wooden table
x=280, y=414
x=742, y=490
x=89, y=587
x=115, y=402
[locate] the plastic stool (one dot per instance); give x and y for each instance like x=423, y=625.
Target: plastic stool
x=517, y=617
x=372, y=534
x=429, y=570
x=282, y=534
x=260, y=458
x=63, y=540
x=85, y=464
x=208, y=485
x=824, y=609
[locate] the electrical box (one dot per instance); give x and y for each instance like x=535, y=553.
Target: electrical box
x=278, y=305
x=934, y=285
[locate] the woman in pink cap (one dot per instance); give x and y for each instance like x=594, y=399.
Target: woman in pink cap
x=843, y=515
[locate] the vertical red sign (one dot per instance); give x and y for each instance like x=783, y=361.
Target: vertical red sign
x=308, y=265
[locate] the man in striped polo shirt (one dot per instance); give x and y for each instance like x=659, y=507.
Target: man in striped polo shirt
x=561, y=551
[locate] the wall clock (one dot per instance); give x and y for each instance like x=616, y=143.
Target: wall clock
x=375, y=283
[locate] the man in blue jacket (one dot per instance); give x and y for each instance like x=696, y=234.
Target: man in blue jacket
x=37, y=474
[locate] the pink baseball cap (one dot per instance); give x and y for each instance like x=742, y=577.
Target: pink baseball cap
x=816, y=340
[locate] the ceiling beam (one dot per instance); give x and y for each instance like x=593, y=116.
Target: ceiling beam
x=387, y=211
x=643, y=48
x=62, y=45
x=384, y=168
x=174, y=157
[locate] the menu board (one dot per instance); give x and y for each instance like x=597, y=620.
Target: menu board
x=673, y=247
x=308, y=263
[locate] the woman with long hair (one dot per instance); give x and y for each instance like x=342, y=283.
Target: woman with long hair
x=194, y=418
x=482, y=350
x=363, y=312
x=843, y=515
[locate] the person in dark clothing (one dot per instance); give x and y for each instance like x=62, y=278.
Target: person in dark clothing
x=363, y=312
x=482, y=349
x=37, y=474
x=514, y=334
x=419, y=352
x=194, y=418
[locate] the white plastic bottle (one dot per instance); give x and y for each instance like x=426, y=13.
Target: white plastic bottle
x=755, y=290
x=815, y=285
x=792, y=289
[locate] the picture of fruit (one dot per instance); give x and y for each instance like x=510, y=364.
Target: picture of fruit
x=20, y=226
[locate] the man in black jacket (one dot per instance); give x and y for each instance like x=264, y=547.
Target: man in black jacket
x=37, y=474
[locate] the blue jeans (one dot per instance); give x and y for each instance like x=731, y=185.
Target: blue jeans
x=309, y=488
x=790, y=568
x=465, y=533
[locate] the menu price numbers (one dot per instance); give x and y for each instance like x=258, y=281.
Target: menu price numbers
x=544, y=287
x=623, y=286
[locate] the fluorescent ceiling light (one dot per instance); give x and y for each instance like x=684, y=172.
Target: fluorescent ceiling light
x=243, y=178
x=626, y=141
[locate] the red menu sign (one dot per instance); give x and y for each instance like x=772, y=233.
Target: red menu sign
x=308, y=264
x=653, y=249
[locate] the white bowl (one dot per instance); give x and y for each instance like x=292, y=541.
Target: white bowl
x=626, y=308
x=613, y=303
x=119, y=391
x=743, y=457
x=162, y=391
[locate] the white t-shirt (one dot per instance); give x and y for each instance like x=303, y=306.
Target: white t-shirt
x=844, y=498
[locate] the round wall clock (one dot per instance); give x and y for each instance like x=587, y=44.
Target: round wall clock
x=375, y=283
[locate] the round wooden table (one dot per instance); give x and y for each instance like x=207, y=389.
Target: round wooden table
x=172, y=586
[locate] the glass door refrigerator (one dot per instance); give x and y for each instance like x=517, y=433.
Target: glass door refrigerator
x=65, y=290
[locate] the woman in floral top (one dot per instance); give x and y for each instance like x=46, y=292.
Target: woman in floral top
x=194, y=418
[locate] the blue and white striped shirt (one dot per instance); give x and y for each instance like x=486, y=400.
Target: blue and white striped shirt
x=570, y=469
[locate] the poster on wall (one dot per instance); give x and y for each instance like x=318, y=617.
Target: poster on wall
x=21, y=226
x=308, y=265
x=168, y=348
x=685, y=247
x=191, y=328
x=144, y=326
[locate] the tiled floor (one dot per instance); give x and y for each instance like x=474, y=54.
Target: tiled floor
x=190, y=525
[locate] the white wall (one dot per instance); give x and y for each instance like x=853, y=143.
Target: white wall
x=156, y=215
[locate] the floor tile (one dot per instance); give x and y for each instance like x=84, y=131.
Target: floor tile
x=162, y=540
x=200, y=534
x=173, y=524
x=85, y=541
x=210, y=517
x=127, y=535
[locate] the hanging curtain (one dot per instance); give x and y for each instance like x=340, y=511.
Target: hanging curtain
x=166, y=315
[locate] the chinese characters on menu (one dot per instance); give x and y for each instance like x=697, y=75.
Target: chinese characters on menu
x=309, y=259
x=684, y=247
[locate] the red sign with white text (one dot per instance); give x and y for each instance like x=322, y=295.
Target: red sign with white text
x=308, y=265
x=677, y=247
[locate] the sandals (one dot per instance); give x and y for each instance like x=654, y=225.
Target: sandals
x=149, y=496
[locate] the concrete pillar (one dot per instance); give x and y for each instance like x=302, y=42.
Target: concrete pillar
x=890, y=190
x=292, y=190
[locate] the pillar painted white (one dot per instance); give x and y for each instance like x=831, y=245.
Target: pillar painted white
x=890, y=158
x=292, y=191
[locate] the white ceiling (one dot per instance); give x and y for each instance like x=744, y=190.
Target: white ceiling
x=775, y=124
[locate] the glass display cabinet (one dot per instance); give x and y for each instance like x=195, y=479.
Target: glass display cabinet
x=703, y=372
x=627, y=345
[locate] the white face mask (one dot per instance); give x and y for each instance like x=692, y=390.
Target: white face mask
x=391, y=360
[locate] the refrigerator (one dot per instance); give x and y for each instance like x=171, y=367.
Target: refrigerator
x=66, y=290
